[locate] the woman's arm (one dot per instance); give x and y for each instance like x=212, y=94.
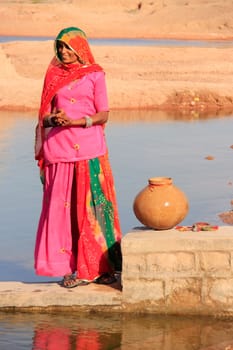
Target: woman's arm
x=61, y=119
x=87, y=121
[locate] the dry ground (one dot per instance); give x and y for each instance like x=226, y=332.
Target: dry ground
x=184, y=78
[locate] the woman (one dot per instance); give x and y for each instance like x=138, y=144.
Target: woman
x=79, y=233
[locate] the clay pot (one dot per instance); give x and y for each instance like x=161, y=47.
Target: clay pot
x=160, y=205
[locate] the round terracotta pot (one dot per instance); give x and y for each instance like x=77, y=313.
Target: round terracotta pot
x=160, y=205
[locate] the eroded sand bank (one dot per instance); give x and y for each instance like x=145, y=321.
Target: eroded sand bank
x=183, y=78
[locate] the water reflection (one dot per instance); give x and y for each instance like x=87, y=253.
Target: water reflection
x=142, y=144
x=53, y=338
x=185, y=115
x=69, y=330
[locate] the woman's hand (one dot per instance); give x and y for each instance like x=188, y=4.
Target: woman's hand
x=61, y=119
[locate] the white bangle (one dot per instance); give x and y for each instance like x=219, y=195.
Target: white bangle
x=89, y=122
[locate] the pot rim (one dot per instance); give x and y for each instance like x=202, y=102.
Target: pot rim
x=159, y=181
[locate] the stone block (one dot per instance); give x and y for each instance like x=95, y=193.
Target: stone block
x=134, y=266
x=146, y=291
x=220, y=293
x=171, y=262
x=215, y=262
x=183, y=293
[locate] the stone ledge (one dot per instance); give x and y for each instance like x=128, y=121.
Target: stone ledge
x=175, y=272
x=145, y=241
x=36, y=296
x=169, y=272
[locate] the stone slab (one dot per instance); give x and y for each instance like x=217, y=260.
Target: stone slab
x=143, y=241
x=163, y=272
x=19, y=295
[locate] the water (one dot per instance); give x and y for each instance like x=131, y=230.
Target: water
x=132, y=41
x=142, y=144
x=108, y=332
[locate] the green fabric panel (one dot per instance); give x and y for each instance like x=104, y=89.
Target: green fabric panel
x=101, y=206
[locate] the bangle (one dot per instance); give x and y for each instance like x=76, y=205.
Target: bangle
x=88, y=121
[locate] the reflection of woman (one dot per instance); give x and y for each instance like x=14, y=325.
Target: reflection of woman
x=71, y=338
x=78, y=234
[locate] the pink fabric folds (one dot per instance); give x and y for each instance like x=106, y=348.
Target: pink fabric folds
x=67, y=196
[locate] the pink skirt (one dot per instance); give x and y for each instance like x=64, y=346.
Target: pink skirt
x=79, y=229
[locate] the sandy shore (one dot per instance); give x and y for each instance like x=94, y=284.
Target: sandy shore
x=183, y=78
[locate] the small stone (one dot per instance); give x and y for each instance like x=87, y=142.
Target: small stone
x=209, y=157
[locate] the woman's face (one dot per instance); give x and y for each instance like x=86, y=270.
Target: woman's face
x=66, y=54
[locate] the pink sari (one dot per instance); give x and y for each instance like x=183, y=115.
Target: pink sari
x=79, y=228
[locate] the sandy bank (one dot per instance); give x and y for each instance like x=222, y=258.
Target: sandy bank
x=109, y=18
x=185, y=78
x=137, y=77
